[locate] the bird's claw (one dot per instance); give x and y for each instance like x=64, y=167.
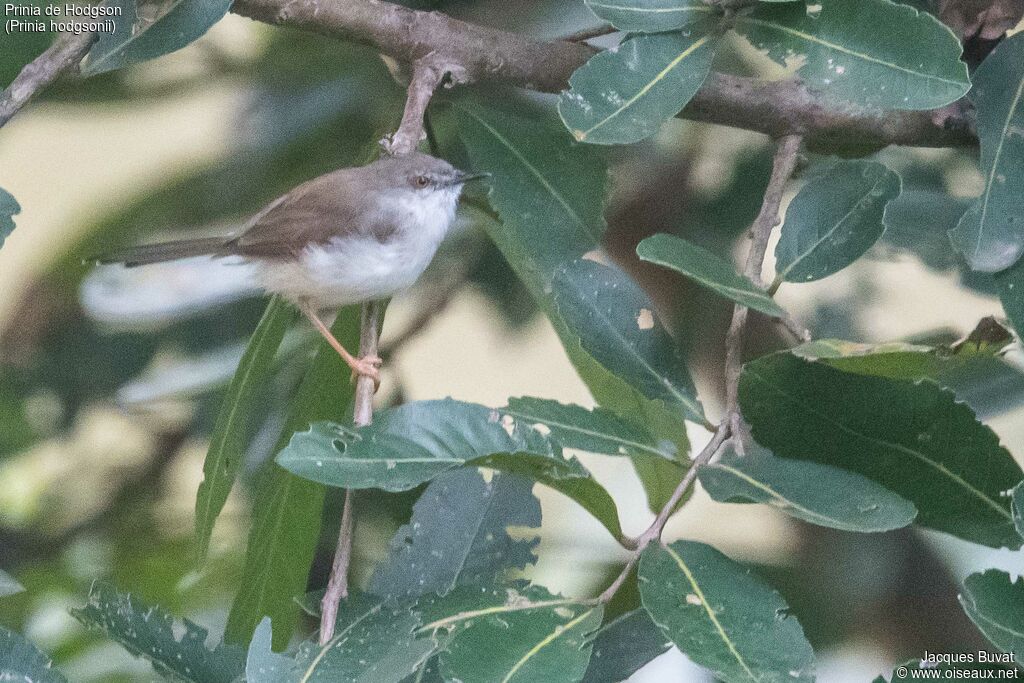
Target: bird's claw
x=368, y=366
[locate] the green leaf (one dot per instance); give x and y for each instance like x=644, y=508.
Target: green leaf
x=614, y=321
x=230, y=434
x=411, y=444
x=625, y=94
x=262, y=664
x=9, y=585
x=650, y=16
x=458, y=535
x=1017, y=508
x=287, y=516
x=175, y=649
x=914, y=438
x=9, y=207
x=991, y=234
x=1010, y=284
x=132, y=41
x=819, y=494
x=541, y=637
x=623, y=646
x=834, y=220
x=22, y=662
x=873, y=53
x=721, y=615
x=596, y=431
x=707, y=270
x=373, y=641
x=996, y=606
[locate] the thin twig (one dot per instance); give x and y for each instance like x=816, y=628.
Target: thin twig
x=760, y=233
x=64, y=55
x=586, y=34
x=427, y=76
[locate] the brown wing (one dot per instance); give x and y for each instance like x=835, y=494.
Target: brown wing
x=314, y=212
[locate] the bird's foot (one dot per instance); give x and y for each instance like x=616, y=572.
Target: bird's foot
x=367, y=366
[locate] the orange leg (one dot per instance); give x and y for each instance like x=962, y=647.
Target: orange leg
x=368, y=366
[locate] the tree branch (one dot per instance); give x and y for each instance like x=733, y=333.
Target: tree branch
x=65, y=54
x=776, y=108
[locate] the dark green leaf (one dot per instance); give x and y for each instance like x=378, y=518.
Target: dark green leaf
x=541, y=637
x=819, y=494
x=707, y=270
x=912, y=437
x=614, y=321
x=624, y=95
x=650, y=15
x=834, y=219
x=134, y=41
x=411, y=444
x=9, y=207
x=991, y=234
x=1017, y=508
x=21, y=662
x=9, y=585
x=153, y=634
x=722, y=616
x=262, y=664
x=596, y=431
x=875, y=53
x=230, y=435
x=286, y=526
x=1010, y=284
x=373, y=642
x=623, y=645
x=458, y=535
x=996, y=606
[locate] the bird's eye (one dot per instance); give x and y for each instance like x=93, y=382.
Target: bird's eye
x=422, y=181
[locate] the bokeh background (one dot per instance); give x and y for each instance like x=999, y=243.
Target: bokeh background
x=110, y=380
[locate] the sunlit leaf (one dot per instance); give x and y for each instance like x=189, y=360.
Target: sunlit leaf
x=819, y=494
x=722, y=616
x=834, y=219
x=624, y=95
x=458, y=535
x=230, y=435
x=175, y=649
x=914, y=438
x=650, y=15
x=991, y=234
x=874, y=53
x=707, y=270
x=996, y=606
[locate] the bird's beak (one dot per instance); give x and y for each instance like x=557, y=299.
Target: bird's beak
x=463, y=177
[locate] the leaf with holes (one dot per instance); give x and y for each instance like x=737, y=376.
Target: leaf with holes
x=707, y=270
x=231, y=432
x=625, y=94
x=874, y=53
x=834, y=220
x=413, y=443
x=991, y=234
x=914, y=438
x=651, y=16
x=135, y=41
x=996, y=606
x=722, y=616
x=819, y=494
x=175, y=649
x=623, y=646
x=458, y=535
x=543, y=637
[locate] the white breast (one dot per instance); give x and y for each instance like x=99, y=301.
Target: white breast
x=360, y=268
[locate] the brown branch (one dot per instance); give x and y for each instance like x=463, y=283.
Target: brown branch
x=585, y=34
x=760, y=233
x=776, y=108
x=64, y=55
x=337, y=584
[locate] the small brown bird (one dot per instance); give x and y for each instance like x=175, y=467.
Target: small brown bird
x=350, y=236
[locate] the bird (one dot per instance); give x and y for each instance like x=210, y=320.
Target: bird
x=350, y=236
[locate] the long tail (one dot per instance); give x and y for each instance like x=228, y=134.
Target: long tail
x=145, y=254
